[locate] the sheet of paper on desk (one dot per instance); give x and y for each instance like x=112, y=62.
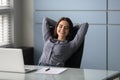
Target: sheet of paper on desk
x=52, y=70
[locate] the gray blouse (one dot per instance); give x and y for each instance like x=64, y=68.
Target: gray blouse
x=55, y=53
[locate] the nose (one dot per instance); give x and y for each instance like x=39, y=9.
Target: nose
x=62, y=29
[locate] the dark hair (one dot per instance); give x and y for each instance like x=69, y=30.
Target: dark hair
x=70, y=27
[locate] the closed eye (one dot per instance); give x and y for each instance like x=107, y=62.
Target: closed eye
x=60, y=26
x=65, y=27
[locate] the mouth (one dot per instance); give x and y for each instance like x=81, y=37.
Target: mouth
x=62, y=33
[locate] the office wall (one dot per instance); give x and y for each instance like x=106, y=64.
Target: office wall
x=113, y=34
x=17, y=23
x=27, y=23
x=24, y=22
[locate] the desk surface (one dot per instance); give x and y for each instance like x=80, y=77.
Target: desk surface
x=70, y=74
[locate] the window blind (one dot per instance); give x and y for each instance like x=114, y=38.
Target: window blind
x=5, y=23
x=4, y=2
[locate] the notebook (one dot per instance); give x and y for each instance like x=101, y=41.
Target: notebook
x=11, y=60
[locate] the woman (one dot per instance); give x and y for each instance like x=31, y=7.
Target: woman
x=58, y=46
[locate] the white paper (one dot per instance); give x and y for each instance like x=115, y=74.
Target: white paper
x=52, y=70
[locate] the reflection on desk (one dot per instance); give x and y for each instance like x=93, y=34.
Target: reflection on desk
x=70, y=74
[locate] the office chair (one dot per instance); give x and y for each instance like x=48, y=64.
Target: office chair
x=75, y=60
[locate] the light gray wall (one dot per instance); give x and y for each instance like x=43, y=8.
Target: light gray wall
x=17, y=24
x=24, y=23
x=27, y=21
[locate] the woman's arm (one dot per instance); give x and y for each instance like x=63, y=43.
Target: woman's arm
x=80, y=35
x=46, y=26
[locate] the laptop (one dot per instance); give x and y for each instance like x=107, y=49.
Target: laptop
x=11, y=60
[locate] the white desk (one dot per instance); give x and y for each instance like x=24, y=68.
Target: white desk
x=70, y=74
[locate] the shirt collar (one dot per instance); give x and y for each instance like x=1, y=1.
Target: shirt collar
x=57, y=41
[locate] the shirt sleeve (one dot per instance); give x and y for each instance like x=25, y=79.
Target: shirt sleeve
x=79, y=37
x=47, y=25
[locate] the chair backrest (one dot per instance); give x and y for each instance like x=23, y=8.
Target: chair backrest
x=75, y=60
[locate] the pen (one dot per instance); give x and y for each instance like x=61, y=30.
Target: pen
x=47, y=69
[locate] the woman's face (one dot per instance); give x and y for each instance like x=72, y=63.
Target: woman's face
x=62, y=30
